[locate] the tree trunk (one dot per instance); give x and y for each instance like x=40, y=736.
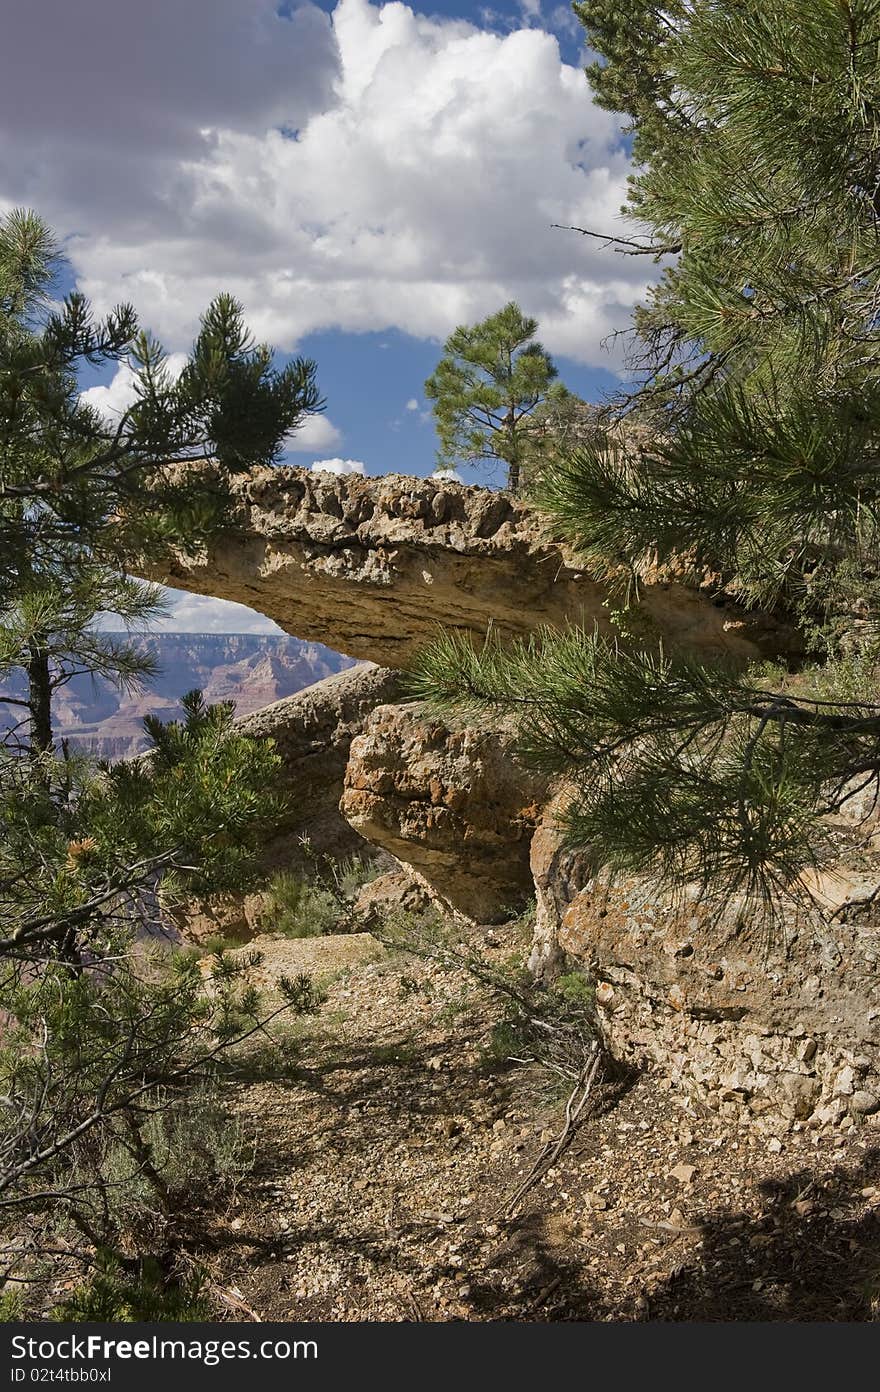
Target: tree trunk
x=40, y=703
x=39, y=699
x=512, y=452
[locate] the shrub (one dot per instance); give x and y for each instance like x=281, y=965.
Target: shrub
x=307, y=906
x=299, y=909
x=145, y=1295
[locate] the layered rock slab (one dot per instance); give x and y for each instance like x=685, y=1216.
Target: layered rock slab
x=778, y=1027
x=312, y=732
x=373, y=566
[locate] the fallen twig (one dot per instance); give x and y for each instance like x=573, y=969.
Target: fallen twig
x=677, y=1228
x=548, y=1290
x=574, y=1113
x=233, y=1299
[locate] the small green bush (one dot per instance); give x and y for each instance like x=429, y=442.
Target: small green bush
x=307, y=906
x=11, y=1307
x=576, y=991
x=552, y=1026
x=299, y=909
x=114, y=1296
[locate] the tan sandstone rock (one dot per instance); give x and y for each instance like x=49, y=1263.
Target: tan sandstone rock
x=451, y=804
x=371, y=567
x=312, y=732
x=395, y=892
x=780, y=1026
x=775, y=1025
x=558, y=874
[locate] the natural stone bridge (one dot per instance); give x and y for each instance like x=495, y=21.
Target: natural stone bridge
x=777, y=1036
x=372, y=567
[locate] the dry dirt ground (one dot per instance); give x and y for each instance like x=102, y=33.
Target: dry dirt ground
x=388, y=1147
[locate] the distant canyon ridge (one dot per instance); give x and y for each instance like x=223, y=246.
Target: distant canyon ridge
x=251, y=669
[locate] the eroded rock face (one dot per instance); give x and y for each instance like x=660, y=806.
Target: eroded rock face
x=313, y=731
x=396, y=892
x=558, y=874
x=780, y=1031
x=450, y=804
x=371, y=567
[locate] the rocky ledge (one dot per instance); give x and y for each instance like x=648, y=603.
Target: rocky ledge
x=373, y=566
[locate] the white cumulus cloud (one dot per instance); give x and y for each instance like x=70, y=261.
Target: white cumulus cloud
x=368, y=170
x=189, y=613
x=339, y=467
x=412, y=404
x=448, y=475
x=315, y=433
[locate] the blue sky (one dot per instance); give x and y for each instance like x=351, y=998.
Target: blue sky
x=363, y=176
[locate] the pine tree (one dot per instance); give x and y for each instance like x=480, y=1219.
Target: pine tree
x=104, y=1032
x=486, y=386
x=81, y=496
x=758, y=168
x=71, y=480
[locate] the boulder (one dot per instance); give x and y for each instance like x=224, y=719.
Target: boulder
x=396, y=892
x=772, y=1023
x=450, y=803
x=312, y=732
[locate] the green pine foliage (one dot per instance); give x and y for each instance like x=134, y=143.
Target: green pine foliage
x=486, y=386
x=142, y=1295
x=751, y=461
x=65, y=469
x=112, y=1040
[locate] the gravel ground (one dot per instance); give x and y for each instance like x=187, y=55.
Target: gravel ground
x=388, y=1148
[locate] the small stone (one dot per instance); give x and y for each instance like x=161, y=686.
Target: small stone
x=799, y=1095
x=774, y=1145
x=676, y=997
x=604, y=993
x=863, y=1102
x=807, y=1050
x=683, y=1173
x=828, y=1115
x=499, y=1125
x=844, y=1082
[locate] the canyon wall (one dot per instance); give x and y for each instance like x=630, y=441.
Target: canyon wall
x=251, y=669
